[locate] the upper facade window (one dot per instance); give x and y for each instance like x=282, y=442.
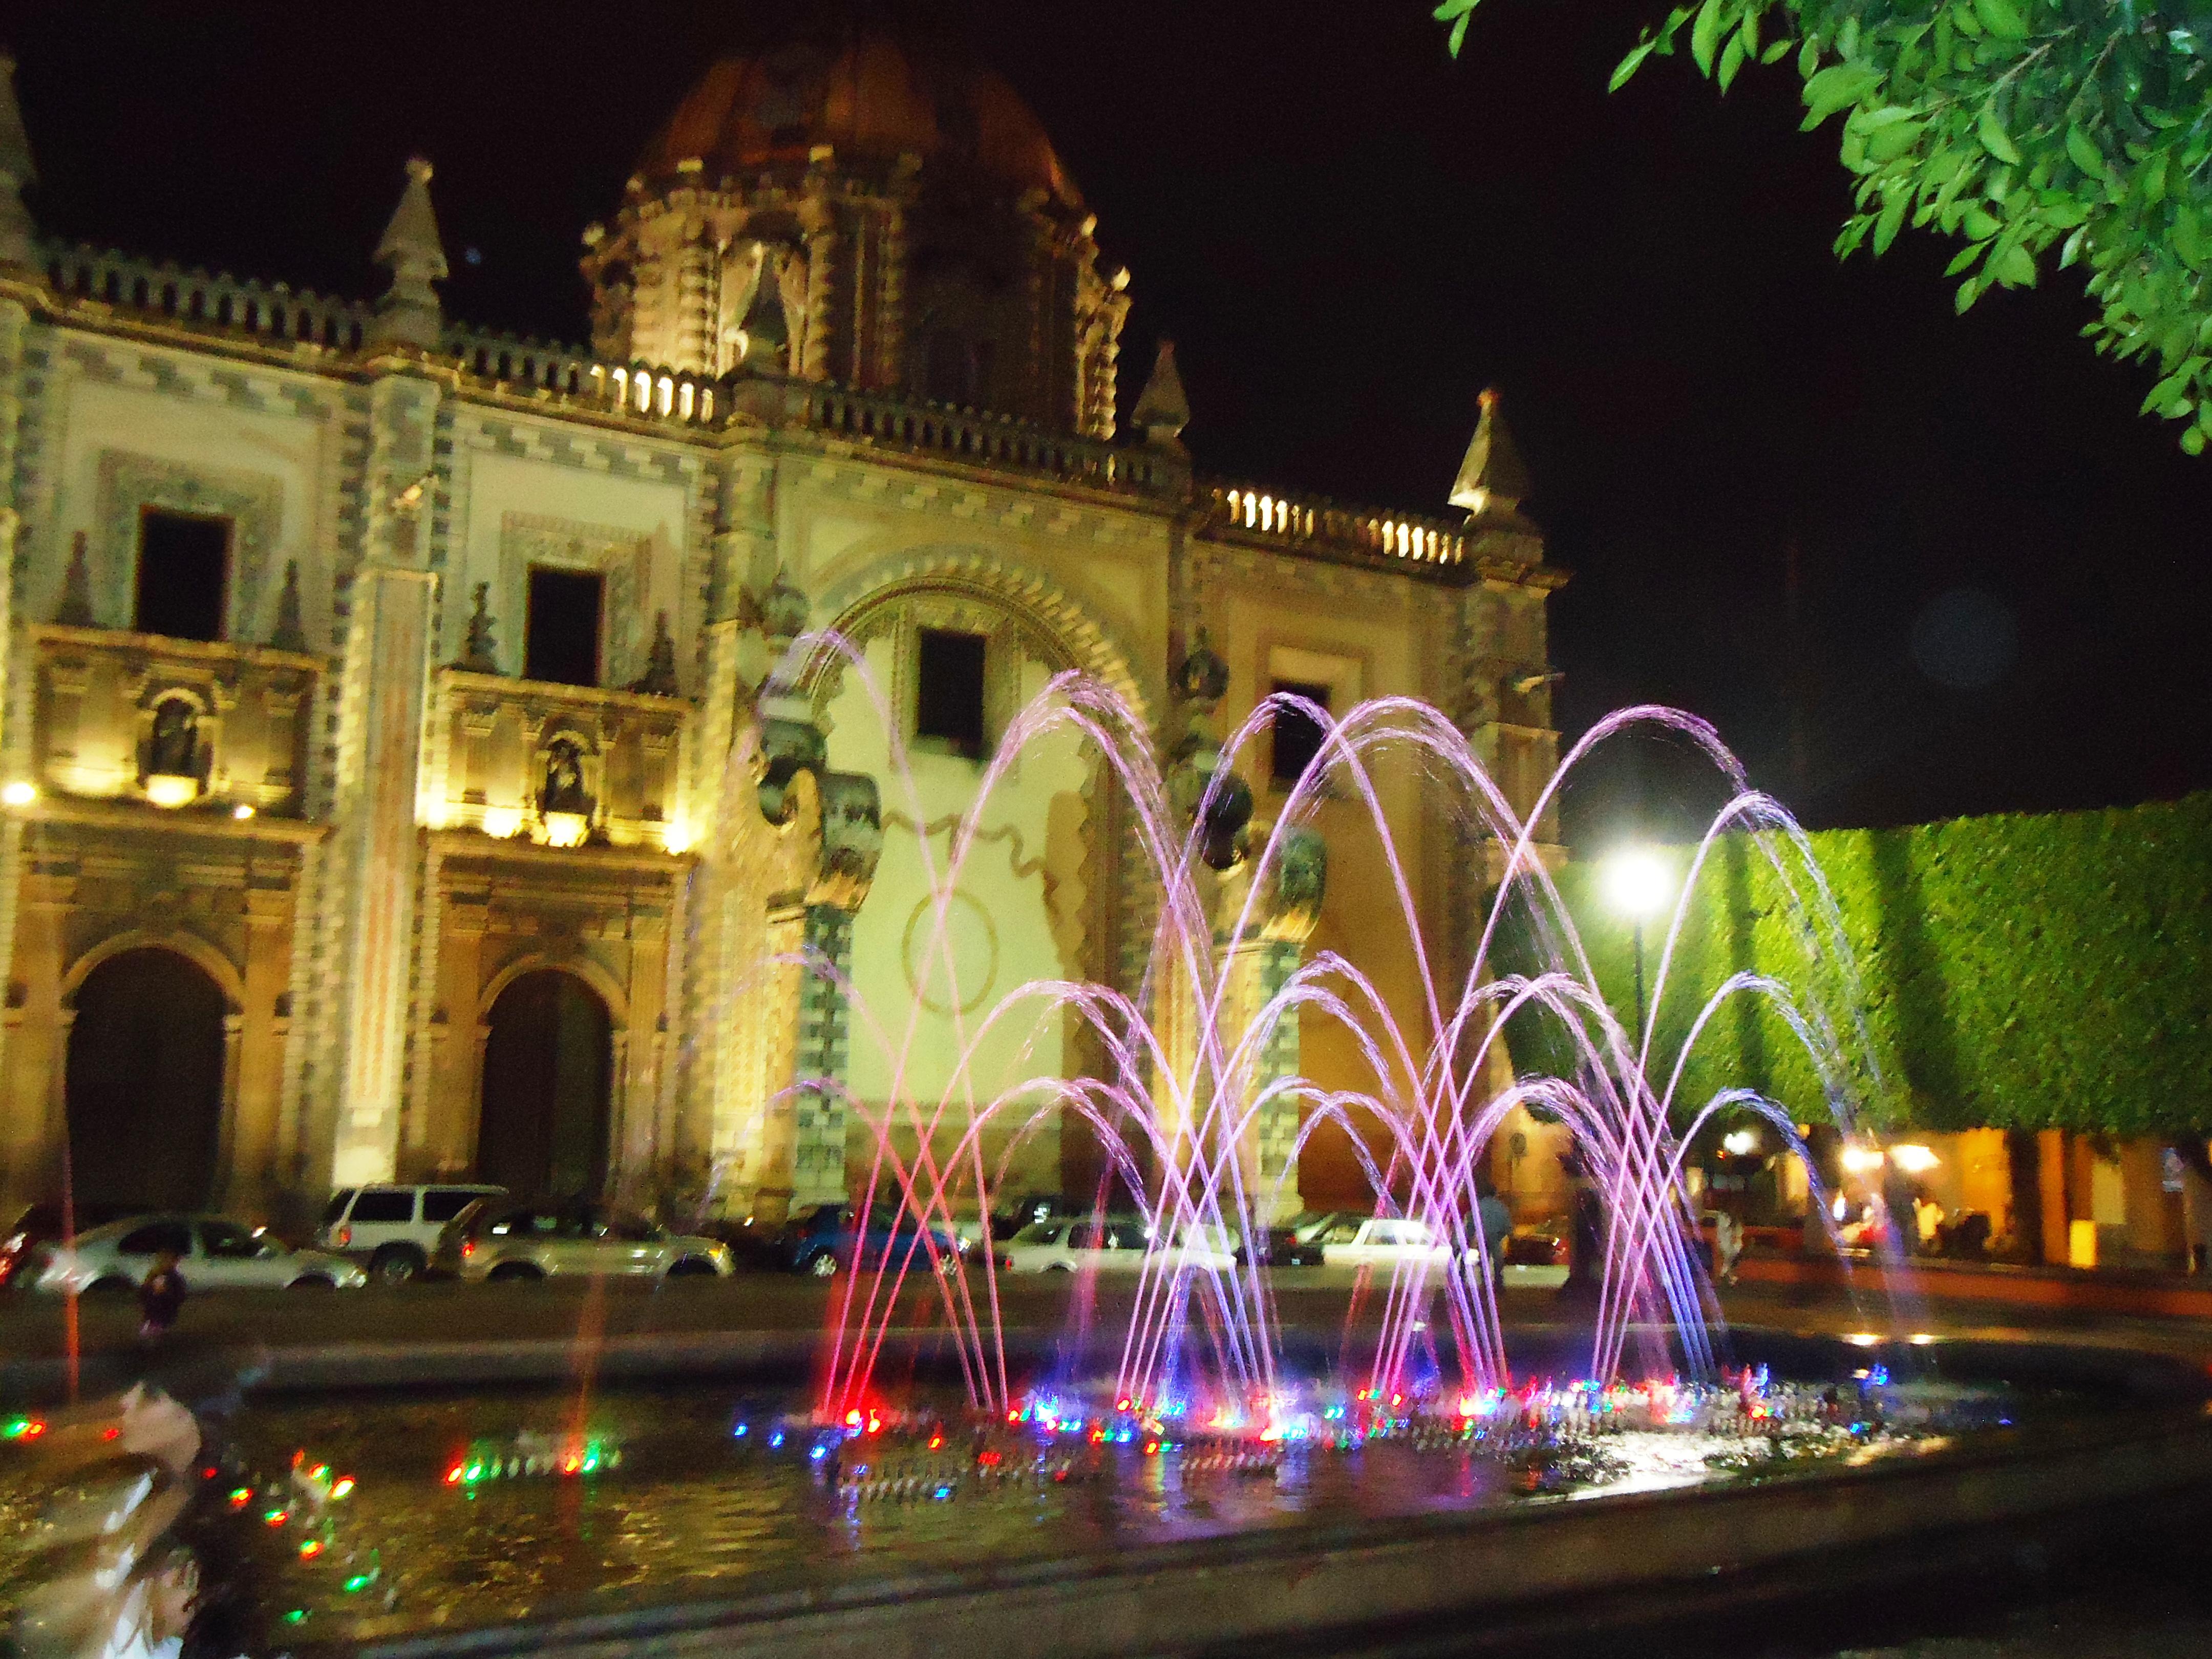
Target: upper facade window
x=184, y=573
x=948, y=712
x=1297, y=736
x=561, y=638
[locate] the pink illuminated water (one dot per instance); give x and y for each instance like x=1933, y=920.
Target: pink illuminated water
x=1182, y=1086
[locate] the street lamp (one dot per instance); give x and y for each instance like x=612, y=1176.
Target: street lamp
x=1637, y=883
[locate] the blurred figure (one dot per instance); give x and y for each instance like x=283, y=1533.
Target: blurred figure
x=1728, y=1243
x=161, y=1299
x=1497, y=1222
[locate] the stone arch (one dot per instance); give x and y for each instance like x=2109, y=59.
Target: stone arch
x=603, y=984
x=1062, y=624
x=197, y=950
x=149, y=1077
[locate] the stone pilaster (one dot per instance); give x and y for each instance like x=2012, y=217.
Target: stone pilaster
x=818, y=1116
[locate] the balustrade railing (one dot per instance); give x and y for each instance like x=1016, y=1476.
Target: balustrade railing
x=986, y=440
x=269, y=310
x=1297, y=520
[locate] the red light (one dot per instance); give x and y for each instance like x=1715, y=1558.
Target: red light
x=572, y=1463
x=345, y=1236
x=935, y=1441
x=453, y=1475
x=468, y=1247
x=312, y=1548
x=111, y=1434
x=851, y=1419
x=278, y=1517
x=989, y=1460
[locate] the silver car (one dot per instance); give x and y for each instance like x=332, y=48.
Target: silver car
x=502, y=1240
x=213, y=1252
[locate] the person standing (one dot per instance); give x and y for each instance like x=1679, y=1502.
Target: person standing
x=2196, y=1203
x=1497, y=1222
x=160, y=1298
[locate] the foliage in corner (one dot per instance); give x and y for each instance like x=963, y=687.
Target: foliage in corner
x=2028, y=972
x=2076, y=131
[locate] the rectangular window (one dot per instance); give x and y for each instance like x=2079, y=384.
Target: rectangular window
x=561, y=636
x=183, y=566
x=1297, y=736
x=385, y=1205
x=442, y=1204
x=948, y=703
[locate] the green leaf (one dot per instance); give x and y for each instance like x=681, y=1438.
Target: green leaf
x=1966, y=257
x=2193, y=442
x=1731, y=61
x=2014, y=266
x=1892, y=216
x=1969, y=291
x=1630, y=64
x=1836, y=87
x=1893, y=142
x=1994, y=139
x=2002, y=18
x=1705, y=33
x=1979, y=223
x=1776, y=50
x=2084, y=152
x=1808, y=57
x=2072, y=252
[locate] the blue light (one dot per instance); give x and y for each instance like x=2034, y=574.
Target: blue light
x=819, y=1453
x=775, y=1441
x=742, y=1429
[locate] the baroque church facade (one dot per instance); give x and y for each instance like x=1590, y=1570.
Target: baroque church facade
x=407, y=770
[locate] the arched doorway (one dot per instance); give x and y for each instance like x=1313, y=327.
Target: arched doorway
x=143, y=1082
x=548, y=1088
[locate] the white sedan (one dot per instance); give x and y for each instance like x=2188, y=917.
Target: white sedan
x=1112, y=1246
x=213, y=1253
x=1383, y=1243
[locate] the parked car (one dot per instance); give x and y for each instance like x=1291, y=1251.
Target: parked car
x=40, y=1226
x=214, y=1252
x=502, y=1241
x=1381, y=1242
x=1115, y=1244
x=395, y=1229
x=1010, y=1218
x=1296, y=1243
x=826, y=1240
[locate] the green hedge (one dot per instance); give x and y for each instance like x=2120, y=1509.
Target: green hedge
x=2029, y=972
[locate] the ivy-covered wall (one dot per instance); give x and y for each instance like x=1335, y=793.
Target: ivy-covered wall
x=2024, y=972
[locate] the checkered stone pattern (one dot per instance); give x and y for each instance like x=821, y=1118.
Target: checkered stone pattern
x=817, y=1174
x=1277, y=1126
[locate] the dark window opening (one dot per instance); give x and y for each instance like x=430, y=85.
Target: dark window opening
x=1298, y=735
x=949, y=709
x=183, y=562
x=561, y=639
x=958, y=370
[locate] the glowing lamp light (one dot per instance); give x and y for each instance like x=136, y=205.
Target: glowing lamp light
x=1638, y=882
x=19, y=792
x=1913, y=1159
x=1740, y=1143
x=566, y=828
x=675, y=836
x=501, y=822
x=1860, y=1160
x=242, y=812
x=172, y=789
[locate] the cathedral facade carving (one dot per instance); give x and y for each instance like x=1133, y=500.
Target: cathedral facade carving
x=421, y=757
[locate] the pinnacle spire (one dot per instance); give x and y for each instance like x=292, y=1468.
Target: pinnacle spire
x=18, y=235
x=410, y=313
x=1492, y=482
x=1161, y=409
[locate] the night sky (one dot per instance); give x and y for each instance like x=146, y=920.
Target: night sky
x=2001, y=575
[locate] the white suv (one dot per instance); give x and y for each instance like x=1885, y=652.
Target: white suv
x=395, y=1229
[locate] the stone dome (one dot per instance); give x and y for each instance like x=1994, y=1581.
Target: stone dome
x=870, y=95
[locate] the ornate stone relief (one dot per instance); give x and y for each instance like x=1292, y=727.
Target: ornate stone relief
x=623, y=557
x=129, y=484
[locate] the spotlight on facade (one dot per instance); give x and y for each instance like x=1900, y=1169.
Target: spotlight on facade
x=19, y=793
x=1861, y=1160
x=675, y=836
x=1740, y=1143
x=565, y=829
x=1914, y=1159
x=1638, y=882
x=242, y=812
x=172, y=789
x=501, y=822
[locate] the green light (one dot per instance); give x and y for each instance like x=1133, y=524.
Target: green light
x=475, y=1471
x=297, y=1616
x=360, y=1581
x=15, y=1428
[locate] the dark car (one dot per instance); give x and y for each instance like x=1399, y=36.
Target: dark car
x=1010, y=1218
x=1296, y=1243
x=40, y=1226
x=826, y=1240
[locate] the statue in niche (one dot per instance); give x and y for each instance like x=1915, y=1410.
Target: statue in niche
x=564, y=779
x=175, y=742
x=793, y=275
x=741, y=284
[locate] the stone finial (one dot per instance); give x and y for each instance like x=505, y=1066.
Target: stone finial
x=410, y=313
x=18, y=235
x=75, y=608
x=1492, y=483
x=289, y=634
x=659, y=679
x=479, y=654
x=1161, y=409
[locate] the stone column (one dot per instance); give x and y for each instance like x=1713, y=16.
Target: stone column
x=818, y=1158
x=1255, y=966
x=17, y=667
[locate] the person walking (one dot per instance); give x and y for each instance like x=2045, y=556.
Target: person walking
x=1497, y=1222
x=160, y=1298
